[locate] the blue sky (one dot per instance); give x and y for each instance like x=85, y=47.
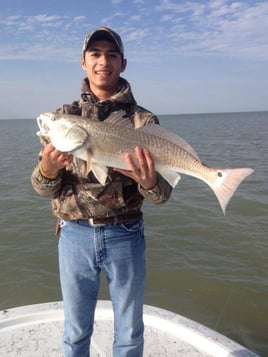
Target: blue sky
x=183, y=56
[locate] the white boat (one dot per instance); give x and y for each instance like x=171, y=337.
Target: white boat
x=36, y=330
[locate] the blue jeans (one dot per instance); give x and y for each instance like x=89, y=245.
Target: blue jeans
x=119, y=251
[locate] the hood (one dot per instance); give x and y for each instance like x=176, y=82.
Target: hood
x=123, y=94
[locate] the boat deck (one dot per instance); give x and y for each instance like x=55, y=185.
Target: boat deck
x=35, y=331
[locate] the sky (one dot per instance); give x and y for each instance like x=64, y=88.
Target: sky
x=183, y=57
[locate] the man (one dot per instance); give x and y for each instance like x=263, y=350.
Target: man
x=101, y=227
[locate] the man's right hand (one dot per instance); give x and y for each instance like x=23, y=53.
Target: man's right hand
x=54, y=160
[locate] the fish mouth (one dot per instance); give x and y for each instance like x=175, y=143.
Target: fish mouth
x=44, y=129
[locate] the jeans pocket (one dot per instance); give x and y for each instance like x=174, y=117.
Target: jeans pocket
x=132, y=226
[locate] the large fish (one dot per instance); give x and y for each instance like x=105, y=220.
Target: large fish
x=103, y=144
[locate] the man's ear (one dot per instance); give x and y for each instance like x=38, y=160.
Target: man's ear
x=83, y=63
x=124, y=64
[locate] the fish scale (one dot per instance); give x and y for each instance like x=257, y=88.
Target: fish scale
x=114, y=140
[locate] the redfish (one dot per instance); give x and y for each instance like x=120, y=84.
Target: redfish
x=104, y=144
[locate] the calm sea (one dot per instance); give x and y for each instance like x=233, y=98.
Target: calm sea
x=203, y=265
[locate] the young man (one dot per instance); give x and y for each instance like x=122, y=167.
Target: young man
x=101, y=227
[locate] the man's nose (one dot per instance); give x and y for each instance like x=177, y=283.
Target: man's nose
x=104, y=59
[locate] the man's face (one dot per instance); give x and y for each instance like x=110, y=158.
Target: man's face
x=103, y=65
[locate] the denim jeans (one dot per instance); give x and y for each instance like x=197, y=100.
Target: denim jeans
x=119, y=251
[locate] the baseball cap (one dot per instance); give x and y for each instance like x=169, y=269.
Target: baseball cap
x=103, y=33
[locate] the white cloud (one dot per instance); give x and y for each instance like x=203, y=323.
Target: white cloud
x=136, y=34
x=135, y=18
x=41, y=37
x=79, y=18
x=211, y=28
x=218, y=27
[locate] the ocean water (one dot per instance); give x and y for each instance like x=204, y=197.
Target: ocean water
x=201, y=264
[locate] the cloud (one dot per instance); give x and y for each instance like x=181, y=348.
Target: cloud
x=212, y=28
x=41, y=37
x=135, y=18
x=217, y=27
x=79, y=18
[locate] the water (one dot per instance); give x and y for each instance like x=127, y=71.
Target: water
x=203, y=265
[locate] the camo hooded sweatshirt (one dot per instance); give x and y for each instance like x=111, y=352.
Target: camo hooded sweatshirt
x=78, y=195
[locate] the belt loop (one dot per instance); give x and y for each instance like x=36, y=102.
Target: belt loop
x=115, y=220
x=92, y=224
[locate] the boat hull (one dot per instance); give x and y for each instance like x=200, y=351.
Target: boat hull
x=36, y=330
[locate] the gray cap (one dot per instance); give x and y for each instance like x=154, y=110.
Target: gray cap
x=103, y=33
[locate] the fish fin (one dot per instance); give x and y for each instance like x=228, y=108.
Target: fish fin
x=157, y=130
x=89, y=158
x=99, y=171
x=44, y=138
x=171, y=176
x=118, y=118
x=70, y=142
x=227, y=182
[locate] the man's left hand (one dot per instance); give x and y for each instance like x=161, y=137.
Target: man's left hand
x=142, y=170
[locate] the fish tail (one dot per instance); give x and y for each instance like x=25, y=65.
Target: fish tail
x=227, y=182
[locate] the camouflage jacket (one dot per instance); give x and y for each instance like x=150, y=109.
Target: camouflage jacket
x=76, y=195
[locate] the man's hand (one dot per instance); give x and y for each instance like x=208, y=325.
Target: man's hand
x=54, y=160
x=144, y=171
